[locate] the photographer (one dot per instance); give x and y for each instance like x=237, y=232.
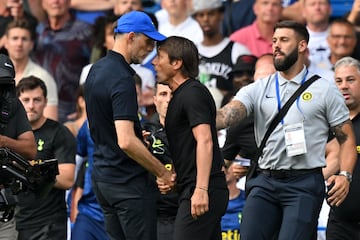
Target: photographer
x=15, y=131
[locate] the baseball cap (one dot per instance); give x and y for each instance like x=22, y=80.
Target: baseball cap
x=7, y=70
x=138, y=22
x=200, y=5
x=244, y=63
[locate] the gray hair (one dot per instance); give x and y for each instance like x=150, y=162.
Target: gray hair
x=347, y=61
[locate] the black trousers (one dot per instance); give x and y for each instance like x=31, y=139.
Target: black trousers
x=341, y=230
x=129, y=209
x=206, y=226
x=289, y=207
x=165, y=228
x=54, y=230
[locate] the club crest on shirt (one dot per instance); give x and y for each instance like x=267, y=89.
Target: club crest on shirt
x=40, y=145
x=307, y=96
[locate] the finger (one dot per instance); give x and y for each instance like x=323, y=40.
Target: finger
x=201, y=212
x=340, y=201
x=193, y=212
x=206, y=209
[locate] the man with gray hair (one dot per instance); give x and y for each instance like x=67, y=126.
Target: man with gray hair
x=344, y=220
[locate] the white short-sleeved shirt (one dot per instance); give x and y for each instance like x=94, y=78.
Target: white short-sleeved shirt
x=321, y=105
x=189, y=29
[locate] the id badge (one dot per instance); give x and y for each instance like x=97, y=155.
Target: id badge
x=295, y=139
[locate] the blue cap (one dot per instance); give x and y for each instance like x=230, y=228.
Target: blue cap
x=138, y=22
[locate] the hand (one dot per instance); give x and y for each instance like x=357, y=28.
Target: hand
x=339, y=191
x=166, y=182
x=356, y=6
x=238, y=170
x=16, y=8
x=199, y=203
x=145, y=136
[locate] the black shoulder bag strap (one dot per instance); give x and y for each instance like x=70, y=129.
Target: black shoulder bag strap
x=280, y=115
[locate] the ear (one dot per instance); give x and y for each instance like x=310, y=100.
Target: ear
x=131, y=36
x=177, y=64
x=302, y=47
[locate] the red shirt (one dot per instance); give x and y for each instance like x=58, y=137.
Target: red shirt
x=252, y=39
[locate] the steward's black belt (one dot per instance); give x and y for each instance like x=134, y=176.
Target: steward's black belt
x=283, y=174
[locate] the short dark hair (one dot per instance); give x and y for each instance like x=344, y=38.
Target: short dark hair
x=299, y=28
x=180, y=48
x=30, y=83
x=23, y=24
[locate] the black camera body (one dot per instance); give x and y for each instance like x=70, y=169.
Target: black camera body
x=18, y=174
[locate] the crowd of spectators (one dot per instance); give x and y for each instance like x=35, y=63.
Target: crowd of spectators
x=58, y=41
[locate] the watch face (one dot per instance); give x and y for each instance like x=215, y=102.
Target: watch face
x=347, y=175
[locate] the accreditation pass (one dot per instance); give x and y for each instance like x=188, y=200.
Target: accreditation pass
x=295, y=139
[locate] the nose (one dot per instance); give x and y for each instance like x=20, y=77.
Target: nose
x=205, y=17
x=275, y=45
x=154, y=61
x=343, y=85
x=168, y=98
x=31, y=104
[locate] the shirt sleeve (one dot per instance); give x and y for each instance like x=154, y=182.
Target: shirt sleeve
x=65, y=146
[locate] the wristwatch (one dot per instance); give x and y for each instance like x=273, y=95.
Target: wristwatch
x=347, y=175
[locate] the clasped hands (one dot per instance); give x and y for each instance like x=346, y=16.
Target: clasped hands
x=166, y=182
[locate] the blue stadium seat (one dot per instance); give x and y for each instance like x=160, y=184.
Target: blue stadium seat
x=340, y=7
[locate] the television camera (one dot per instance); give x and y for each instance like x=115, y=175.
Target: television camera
x=18, y=174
